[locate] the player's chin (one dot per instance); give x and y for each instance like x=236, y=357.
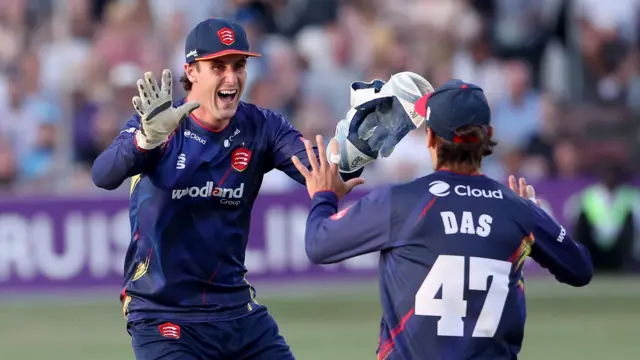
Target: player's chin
x=227, y=112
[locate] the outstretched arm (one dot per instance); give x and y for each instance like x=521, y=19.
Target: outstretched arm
x=360, y=229
x=554, y=249
x=331, y=237
x=123, y=158
x=140, y=145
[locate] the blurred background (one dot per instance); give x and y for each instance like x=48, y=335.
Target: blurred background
x=562, y=77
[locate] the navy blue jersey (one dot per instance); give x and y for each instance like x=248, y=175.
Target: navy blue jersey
x=190, y=210
x=452, y=250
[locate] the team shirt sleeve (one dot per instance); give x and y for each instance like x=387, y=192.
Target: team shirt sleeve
x=123, y=158
x=554, y=249
x=360, y=229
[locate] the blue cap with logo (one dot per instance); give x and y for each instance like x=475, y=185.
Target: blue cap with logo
x=215, y=37
x=452, y=106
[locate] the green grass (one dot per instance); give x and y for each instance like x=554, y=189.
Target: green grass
x=597, y=322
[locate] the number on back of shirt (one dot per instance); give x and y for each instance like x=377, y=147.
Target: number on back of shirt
x=448, y=273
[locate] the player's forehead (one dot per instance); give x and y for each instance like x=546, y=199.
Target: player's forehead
x=230, y=59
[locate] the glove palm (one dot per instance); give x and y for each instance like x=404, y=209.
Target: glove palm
x=158, y=117
x=381, y=115
x=385, y=120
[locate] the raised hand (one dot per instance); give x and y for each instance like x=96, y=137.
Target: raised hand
x=324, y=175
x=158, y=117
x=521, y=188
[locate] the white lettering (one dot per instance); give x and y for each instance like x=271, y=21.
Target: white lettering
x=467, y=224
x=449, y=222
x=98, y=251
x=484, y=225
x=229, y=140
x=276, y=250
x=182, y=161
x=465, y=190
x=563, y=233
x=64, y=263
x=298, y=218
x=14, y=242
x=120, y=236
x=284, y=231
x=208, y=190
x=93, y=242
x=254, y=261
x=191, y=135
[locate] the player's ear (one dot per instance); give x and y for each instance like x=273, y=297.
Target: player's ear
x=431, y=139
x=190, y=71
x=490, y=134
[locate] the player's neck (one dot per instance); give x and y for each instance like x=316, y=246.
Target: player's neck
x=207, y=119
x=462, y=169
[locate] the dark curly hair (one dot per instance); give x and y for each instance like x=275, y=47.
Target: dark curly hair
x=466, y=153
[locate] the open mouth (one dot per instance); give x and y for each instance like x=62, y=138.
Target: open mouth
x=227, y=96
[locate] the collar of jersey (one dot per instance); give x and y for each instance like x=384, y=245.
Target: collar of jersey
x=202, y=127
x=451, y=173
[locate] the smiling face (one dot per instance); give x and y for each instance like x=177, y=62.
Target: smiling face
x=218, y=84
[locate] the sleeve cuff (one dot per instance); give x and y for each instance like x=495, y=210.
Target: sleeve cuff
x=325, y=197
x=135, y=142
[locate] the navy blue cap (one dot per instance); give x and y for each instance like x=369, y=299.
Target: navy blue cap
x=452, y=106
x=213, y=38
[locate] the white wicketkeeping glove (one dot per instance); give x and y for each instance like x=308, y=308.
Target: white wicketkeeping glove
x=158, y=117
x=381, y=115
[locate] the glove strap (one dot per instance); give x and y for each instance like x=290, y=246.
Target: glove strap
x=143, y=143
x=352, y=159
x=360, y=96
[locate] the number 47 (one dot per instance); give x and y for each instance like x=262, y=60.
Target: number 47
x=448, y=273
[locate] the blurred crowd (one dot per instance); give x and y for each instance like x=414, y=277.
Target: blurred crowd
x=562, y=77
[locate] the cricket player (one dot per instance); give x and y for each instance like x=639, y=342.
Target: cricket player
x=196, y=167
x=452, y=244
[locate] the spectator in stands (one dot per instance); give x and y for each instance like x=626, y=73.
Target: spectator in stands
x=33, y=118
x=606, y=218
x=517, y=116
x=8, y=166
x=104, y=129
x=608, y=34
x=539, y=149
x=58, y=69
x=566, y=156
x=474, y=63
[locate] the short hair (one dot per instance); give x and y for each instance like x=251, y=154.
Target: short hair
x=466, y=153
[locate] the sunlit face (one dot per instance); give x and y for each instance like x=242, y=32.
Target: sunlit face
x=218, y=84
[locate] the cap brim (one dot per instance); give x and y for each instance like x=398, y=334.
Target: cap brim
x=227, y=52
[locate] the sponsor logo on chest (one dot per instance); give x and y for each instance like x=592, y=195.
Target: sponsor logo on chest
x=227, y=195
